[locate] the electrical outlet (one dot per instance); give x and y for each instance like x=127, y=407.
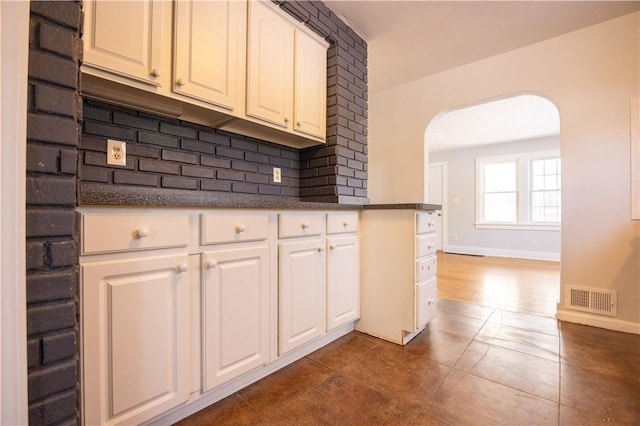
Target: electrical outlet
x=277, y=175
x=116, y=153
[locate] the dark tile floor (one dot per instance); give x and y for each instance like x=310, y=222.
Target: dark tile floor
x=471, y=365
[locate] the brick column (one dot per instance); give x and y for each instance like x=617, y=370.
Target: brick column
x=54, y=109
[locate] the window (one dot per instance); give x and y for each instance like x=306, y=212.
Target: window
x=519, y=191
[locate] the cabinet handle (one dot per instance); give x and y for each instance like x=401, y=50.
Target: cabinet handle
x=239, y=228
x=332, y=247
x=430, y=246
x=141, y=233
x=430, y=302
x=286, y=121
x=345, y=224
x=304, y=225
x=183, y=267
x=319, y=249
x=180, y=82
x=430, y=224
x=211, y=264
x=155, y=72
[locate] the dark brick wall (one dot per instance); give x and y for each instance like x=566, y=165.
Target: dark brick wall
x=54, y=109
x=338, y=171
x=165, y=153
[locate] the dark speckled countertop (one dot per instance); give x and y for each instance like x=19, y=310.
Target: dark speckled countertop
x=96, y=194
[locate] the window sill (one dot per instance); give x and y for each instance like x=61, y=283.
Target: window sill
x=518, y=226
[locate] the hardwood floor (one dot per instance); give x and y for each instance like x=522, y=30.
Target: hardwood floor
x=517, y=285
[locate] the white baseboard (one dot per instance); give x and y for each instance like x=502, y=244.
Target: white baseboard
x=497, y=252
x=202, y=401
x=598, y=321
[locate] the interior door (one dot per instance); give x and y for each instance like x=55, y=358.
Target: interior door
x=437, y=195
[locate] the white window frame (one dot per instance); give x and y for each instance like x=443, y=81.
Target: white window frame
x=523, y=191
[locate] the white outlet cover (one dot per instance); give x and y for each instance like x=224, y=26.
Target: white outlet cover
x=116, y=153
x=277, y=175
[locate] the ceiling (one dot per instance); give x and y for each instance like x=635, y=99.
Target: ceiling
x=408, y=40
x=518, y=118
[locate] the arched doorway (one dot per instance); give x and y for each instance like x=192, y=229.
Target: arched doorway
x=497, y=166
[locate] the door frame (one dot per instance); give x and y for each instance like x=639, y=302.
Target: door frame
x=443, y=228
x=14, y=53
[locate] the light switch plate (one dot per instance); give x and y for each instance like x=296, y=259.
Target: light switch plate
x=277, y=175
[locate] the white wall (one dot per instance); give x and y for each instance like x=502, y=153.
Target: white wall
x=590, y=75
x=461, y=206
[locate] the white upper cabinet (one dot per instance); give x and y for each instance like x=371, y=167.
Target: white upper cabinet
x=209, y=46
x=310, y=90
x=125, y=38
x=270, y=66
x=241, y=66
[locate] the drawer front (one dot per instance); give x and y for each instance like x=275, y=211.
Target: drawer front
x=300, y=224
x=340, y=223
x=111, y=232
x=233, y=227
x=426, y=301
x=426, y=222
x=425, y=267
x=425, y=245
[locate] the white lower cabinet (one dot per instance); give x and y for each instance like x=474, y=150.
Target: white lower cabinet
x=399, y=291
x=183, y=306
x=135, y=338
x=343, y=280
x=301, y=292
x=235, y=307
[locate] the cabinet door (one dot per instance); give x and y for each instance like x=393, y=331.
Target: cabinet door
x=135, y=339
x=426, y=301
x=270, y=66
x=235, y=313
x=209, y=46
x=310, y=86
x=302, y=293
x=125, y=38
x=343, y=280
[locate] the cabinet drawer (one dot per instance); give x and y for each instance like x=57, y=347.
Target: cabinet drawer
x=426, y=301
x=300, y=224
x=340, y=223
x=109, y=232
x=425, y=245
x=233, y=227
x=426, y=222
x=425, y=267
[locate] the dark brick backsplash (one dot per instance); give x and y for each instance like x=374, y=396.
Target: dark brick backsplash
x=164, y=154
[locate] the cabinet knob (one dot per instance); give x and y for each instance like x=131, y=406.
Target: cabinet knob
x=319, y=249
x=430, y=224
x=304, y=225
x=155, y=72
x=183, y=267
x=430, y=246
x=345, y=224
x=141, y=233
x=180, y=82
x=332, y=247
x=430, y=302
x=239, y=228
x=211, y=264
x=297, y=124
x=286, y=121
